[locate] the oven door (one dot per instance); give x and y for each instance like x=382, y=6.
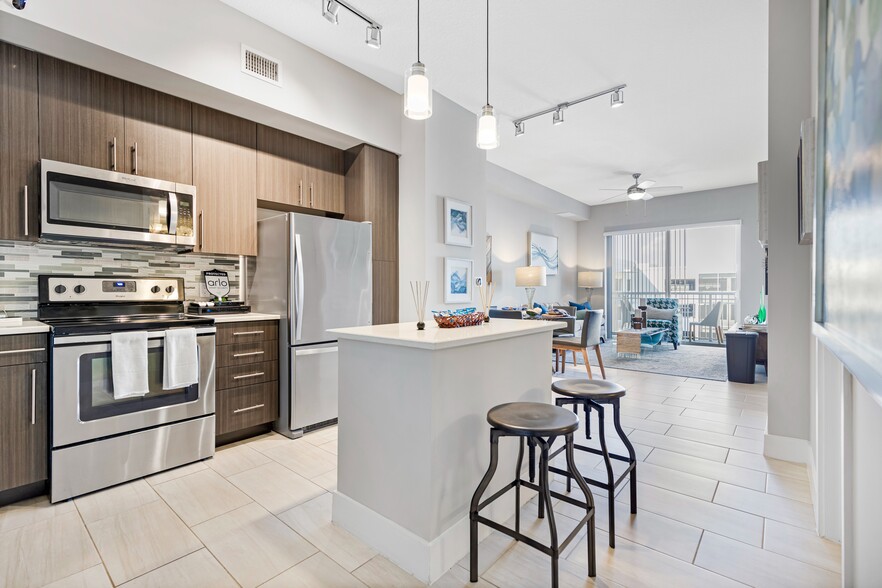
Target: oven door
x=83, y=406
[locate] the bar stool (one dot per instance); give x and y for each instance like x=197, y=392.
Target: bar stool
x=541, y=424
x=594, y=394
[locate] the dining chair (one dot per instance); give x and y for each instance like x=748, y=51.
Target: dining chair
x=590, y=338
x=505, y=314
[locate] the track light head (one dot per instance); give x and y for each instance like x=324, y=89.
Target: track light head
x=373, y=36
x=558, y=116
x=330, y=9
x=617, y=98
x=519, y=128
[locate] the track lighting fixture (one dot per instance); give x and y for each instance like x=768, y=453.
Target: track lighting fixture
x=417, y=88
x=331, y=12
x=488, y=129
x=519, y=128
x=330, y=9
x=373, y=39
x=616, y=99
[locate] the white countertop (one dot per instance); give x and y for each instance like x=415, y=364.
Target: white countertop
x=407, y=335
x=239, y=317
x=27, y=326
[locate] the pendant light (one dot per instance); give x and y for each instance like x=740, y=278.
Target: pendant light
x=417, y=88
x=488, y=130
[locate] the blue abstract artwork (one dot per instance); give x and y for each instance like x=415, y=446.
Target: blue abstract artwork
x=543, y=251
x=459, y=282
x=459, y=222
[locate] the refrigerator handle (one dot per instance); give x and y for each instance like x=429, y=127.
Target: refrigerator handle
x=298, y=296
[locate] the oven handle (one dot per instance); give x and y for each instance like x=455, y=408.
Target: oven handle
x=105, y=338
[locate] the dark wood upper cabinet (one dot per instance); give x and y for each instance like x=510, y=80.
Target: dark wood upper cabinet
x=159, y=135
x=225, y=176
x=24, y=422
x=19, y=144
x=82, y=115
x=372, y=195
x=295, y=171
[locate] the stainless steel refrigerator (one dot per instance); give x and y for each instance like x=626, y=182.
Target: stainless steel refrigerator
x=315, y=272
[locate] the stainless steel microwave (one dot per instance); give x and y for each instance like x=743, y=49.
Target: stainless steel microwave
x=87, y=204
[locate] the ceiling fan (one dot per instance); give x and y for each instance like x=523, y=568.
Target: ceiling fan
x=637, y=191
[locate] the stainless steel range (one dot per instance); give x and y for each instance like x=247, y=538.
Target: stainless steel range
x=98, y=441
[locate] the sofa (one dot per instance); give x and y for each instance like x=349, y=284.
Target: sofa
x=670, y=325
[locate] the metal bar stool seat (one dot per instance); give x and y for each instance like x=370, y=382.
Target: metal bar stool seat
x=594, y=394
x=541, y=424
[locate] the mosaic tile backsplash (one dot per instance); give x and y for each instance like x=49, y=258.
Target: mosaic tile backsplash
x=21, y=263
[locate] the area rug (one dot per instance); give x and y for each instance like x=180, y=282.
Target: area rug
x=690, y=361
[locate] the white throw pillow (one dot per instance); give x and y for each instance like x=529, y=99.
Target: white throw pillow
x=663, y=314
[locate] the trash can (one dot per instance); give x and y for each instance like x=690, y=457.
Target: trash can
x=741, y=356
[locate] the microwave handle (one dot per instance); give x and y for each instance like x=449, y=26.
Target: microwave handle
x=172, y=213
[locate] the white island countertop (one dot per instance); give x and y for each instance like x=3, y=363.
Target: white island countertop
x=433, y=337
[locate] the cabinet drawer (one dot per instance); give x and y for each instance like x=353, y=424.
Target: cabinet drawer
x=247, y=332
x=246, y=375
x=19, y=349
x=248, y=406
x=245, y=353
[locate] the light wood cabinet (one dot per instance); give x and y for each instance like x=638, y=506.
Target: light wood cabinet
x=19, y=144
x=372, y=195
x=82, y=115
x=24, y=419
x=296, y=172
x=158, y=135
x=225, y=176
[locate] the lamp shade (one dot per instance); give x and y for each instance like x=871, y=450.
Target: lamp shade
x=530, y=276
x=590, y=279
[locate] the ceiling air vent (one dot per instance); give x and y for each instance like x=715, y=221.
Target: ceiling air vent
x=261, y=66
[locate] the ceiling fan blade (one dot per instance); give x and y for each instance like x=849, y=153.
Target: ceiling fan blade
x=646, y=184
x=614, y=197
x=657, y=188
x=647, y=196
x=610, y=189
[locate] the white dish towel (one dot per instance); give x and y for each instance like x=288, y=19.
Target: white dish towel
x=181, y=362
x=128, y=354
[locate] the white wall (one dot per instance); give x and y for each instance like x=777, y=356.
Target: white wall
x=192, y=49
x=790, y=284
x=738, y=203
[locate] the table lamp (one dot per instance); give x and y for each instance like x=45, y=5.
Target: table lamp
x=590, y=280
x=529, y=277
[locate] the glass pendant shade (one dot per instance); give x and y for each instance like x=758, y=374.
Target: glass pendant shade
x=417, y=93
x=488, y=130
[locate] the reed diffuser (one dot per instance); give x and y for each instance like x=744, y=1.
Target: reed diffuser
x=420, y=292
x=486, y=293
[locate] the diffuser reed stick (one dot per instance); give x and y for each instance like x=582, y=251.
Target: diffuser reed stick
x=420, y=293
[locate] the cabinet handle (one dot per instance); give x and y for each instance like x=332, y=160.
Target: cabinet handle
x=26, y=210
x=34, y=396
x=201, y=227
x=248, y=333
x=311, y=195
x=300, y=189
x=113, y=155
x=244, y=376
x=248, y=354
x=255, y=407
x=135, y=158
x=34, y=350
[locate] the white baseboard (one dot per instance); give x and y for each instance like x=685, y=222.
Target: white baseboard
x=426, y=560
x=788, y=449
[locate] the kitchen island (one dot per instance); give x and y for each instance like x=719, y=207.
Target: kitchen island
x=413, y=436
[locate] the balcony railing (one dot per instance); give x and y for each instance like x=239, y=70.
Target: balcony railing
x=694, y=306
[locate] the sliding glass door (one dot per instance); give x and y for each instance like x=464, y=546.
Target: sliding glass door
x=697, y=266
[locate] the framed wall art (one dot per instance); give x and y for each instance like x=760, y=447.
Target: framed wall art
x=543, y=251
x=458, y=223
x=458, y=278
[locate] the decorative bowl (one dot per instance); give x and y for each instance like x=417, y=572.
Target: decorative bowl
x=451, y=319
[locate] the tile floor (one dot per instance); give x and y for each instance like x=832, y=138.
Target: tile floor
x=712, y=512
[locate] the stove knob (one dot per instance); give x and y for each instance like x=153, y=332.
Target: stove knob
x=79, y=289
x=60, y=289
x=170, y=289
x=155, y=289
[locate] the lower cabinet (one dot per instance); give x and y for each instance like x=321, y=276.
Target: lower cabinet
x=247, y=375
x=24, y=418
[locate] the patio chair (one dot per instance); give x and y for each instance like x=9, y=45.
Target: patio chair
x=711, y=320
